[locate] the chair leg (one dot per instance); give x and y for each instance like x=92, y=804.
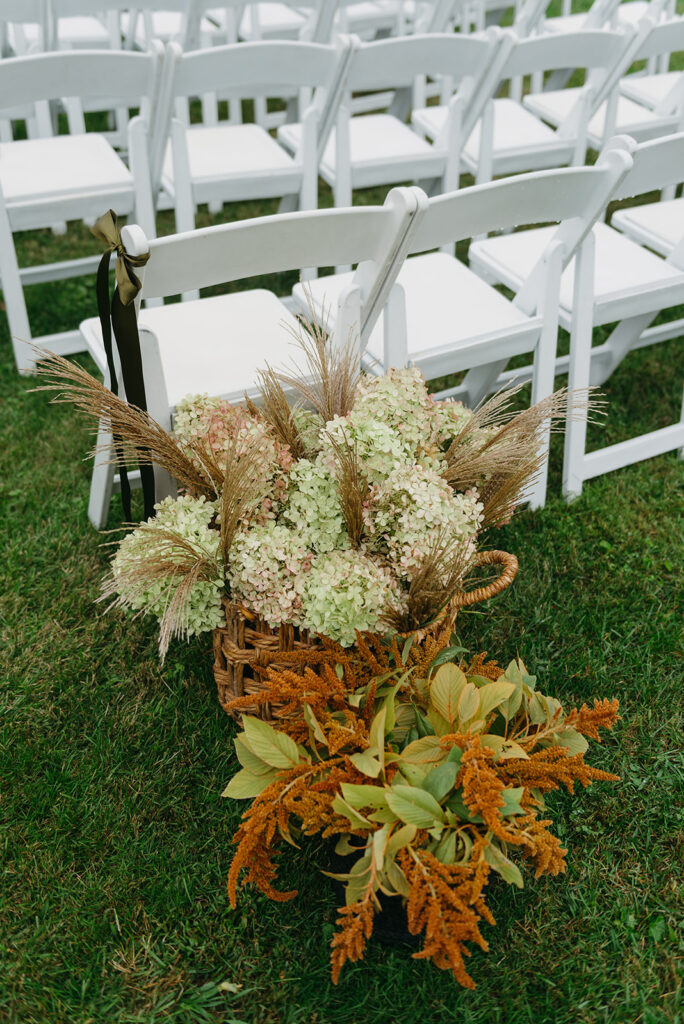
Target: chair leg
x=15, y=304
x=580, y=369
x=618, y=345
x=102, y=481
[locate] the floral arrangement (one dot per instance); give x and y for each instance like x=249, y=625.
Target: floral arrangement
x=341, y=502
x=432, y=775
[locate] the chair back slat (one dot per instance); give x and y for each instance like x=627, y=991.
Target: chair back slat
x=96, y=74
x=656, y=165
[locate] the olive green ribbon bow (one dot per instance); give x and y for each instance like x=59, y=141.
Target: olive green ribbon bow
x=107, y=230
x=118, y=315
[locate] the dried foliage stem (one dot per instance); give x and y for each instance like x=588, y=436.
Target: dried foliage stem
x=141, y=435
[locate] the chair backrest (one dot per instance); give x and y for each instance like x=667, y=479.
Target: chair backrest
x=472, y=64
x=94, y=74
x=18, y=13
x=371, y=236
x=583, y=49
x=656, y=165
x=573, y=198
x=664, y=37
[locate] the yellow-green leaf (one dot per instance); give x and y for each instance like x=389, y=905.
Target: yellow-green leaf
x=314, y=725
x=245, y=785
x=363, y=796
x=469, y=702
x=498, y=862
x=414, y=806
x=400, y=838
x=275, y=748
x=379, y=843
x=366, y=763
x=512, y=798
x=445, y=691
x=248, y=758
x=575, y=742
x=397, y=879
x=446, y=849
x=423, y=751
x=503, y=748
x=440, y=781
x=492, y=695
x=344, y=809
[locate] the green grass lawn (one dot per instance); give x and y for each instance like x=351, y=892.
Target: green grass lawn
x=116, y=843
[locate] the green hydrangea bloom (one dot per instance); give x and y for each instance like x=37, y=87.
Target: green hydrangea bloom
x=313, y=507
x=187, y=519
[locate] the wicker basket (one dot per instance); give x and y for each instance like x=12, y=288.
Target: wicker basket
x=246, y=646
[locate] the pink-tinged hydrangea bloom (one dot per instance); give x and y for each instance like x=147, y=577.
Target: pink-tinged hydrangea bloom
x=264, y=564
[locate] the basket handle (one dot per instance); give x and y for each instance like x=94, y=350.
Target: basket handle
x=506, y=577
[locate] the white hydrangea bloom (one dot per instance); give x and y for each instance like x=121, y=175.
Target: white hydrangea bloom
x=313, y=509
x=448, y=419
x=344, y=591
x=264, y=563
x=411, y=508
x=187, y=518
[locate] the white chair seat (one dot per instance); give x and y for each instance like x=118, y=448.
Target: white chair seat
x=657, y=225
x=430, y=120
x=448, y=308
x=274, y=21
x=631, y=119
x=232, y=337
x=375, y=140
x=631, y=13
x=649, y=90
x=622, y=267
x=370, y=17
x=83, y=33
x=167, y=26
x=65, y=166
x=566, y=23
x=217, y=152
x=516, y=131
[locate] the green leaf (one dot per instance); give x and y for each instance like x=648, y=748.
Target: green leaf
x=455, y=754
x=537, y=709
x=500, y=863
x=377, y=733
x=575, y=742
x=440, y=780
x=248, y=758
x=413, y=773
x=423, y=726
x=344, y=848
x=245, y=785
x=492, y=695
x=448, y=654
x=423, y=751
x=358, y=880
x=407, y=647
x=512, y=798
x=397, y=879
x=469, y=703
x=363, y=796
x=446, y=689
x=275, y=748
x=446, y=849
x=366, y=763
x=513, y=673
x=439, y=723
x=344, y=809
x=414, y=806
x=457, y=806
x=378, y=845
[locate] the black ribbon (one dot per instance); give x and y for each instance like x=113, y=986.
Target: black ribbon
x=118, y=315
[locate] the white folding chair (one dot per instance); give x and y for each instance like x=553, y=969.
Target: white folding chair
x=660, y=91
x=229, y=162
x=455, y=321
x=74, y=25
x=65, y=177
x=624, y=283
x=218, y=344
x=616, y=113
x=381, y=149
x=24, y=26
x=510, y=138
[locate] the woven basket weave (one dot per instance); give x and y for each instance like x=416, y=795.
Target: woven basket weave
x=246, y=646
